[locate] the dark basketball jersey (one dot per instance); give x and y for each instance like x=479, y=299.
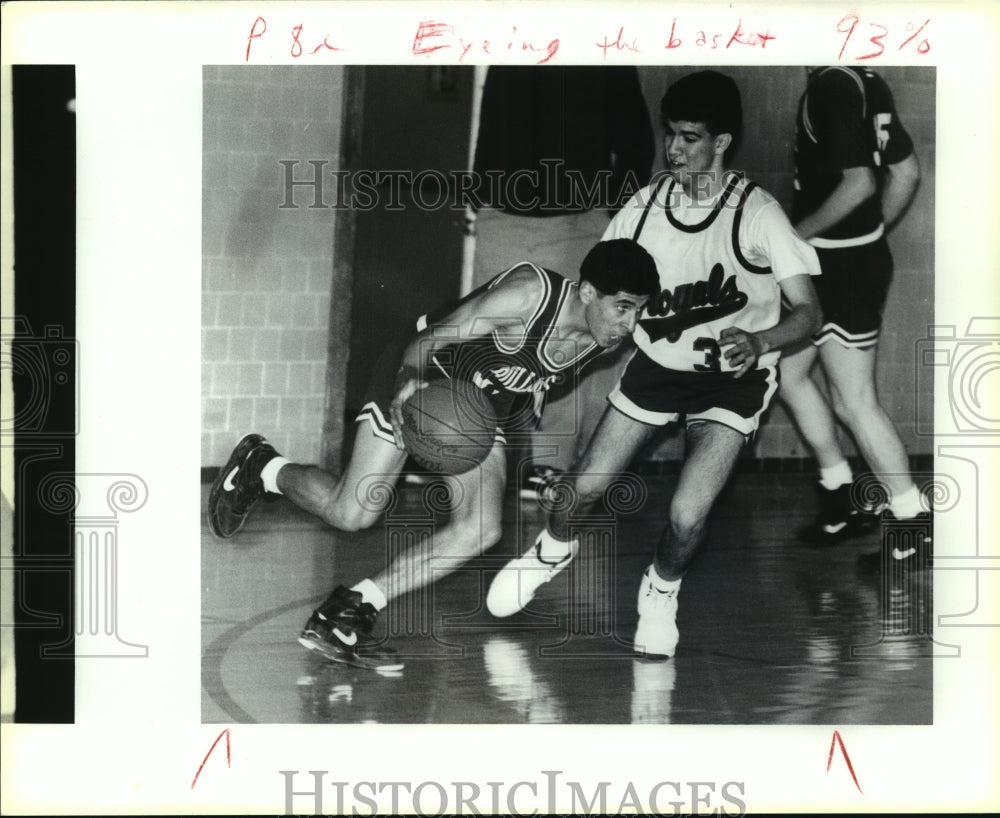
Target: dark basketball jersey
x=520, y=362
x=515, y=370
x=846, y=118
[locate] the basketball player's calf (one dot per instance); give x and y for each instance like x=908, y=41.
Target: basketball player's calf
x=656, y=633
x=318, y=492
x=907, y=518
x=255, y=471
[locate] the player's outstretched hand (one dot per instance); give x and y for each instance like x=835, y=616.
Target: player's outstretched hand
x=407, y=383
x=742, y=349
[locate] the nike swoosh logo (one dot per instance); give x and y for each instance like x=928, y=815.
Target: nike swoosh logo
x=349, y=640
x=228, y=485
x=833, y=529
x=902, y=555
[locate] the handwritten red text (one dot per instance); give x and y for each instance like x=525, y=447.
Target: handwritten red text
x=875, y=45
x=300, y=43
x=432, y=37
x=752, y=37
x=843, y=749
x=229, y=757
x=620, y=43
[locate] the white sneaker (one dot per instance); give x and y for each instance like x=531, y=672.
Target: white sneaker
x=656, y=633
x=519, y=580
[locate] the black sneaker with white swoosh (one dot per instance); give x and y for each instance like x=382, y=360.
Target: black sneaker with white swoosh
x=839, y=518
x=907, y=544
x=238, y=486
x=341, y=630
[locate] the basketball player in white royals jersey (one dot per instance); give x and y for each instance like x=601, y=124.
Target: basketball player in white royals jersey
x=707, y=346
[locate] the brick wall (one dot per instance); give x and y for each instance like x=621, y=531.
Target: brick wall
x=770, y=99
x=268, y=273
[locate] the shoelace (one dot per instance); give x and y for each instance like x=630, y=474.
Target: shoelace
x=660, y=597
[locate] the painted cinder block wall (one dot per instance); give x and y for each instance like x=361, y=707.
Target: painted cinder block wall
x=268, y=273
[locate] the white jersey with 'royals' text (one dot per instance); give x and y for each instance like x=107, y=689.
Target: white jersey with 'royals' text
x=719, y=264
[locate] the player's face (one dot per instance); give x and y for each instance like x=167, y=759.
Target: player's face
x=692, y=154
x=612, y=318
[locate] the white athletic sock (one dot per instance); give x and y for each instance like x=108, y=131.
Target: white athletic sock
x=269, y=474
x=371, y=593
x=552, y=550
x=663, y=585
x=907, y=504
x=833, y=477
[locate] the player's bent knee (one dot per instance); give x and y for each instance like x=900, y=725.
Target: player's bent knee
x=347, y=523
x=349, y=517
x=686, y=522
x=490, y=535
x=587, y=491
x=838, y=404
x=856, y=408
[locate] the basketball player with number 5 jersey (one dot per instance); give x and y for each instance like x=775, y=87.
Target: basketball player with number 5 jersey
x=856, y=173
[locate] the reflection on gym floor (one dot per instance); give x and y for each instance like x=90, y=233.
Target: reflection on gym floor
x=772, y=632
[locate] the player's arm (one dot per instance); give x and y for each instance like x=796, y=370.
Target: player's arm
x=899, y=188
x=767, y=239
x=505, y=308
x=836, y=110
x=802, y=318
x=856, y=185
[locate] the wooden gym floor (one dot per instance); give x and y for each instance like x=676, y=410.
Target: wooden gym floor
x=772, y=632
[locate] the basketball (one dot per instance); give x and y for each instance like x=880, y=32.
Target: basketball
x=449, y=427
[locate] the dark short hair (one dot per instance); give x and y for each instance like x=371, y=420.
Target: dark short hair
x=621, y=265
x=709, y=97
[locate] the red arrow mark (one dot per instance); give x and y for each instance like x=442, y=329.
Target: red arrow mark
x=838, y=740
x=229, y=757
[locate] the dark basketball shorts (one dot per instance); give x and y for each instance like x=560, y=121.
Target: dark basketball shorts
x=852, y=292
x=651, y=394
x=517, y=413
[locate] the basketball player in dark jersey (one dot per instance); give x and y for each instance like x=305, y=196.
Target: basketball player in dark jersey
x=856, y=173
x=513, y=338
